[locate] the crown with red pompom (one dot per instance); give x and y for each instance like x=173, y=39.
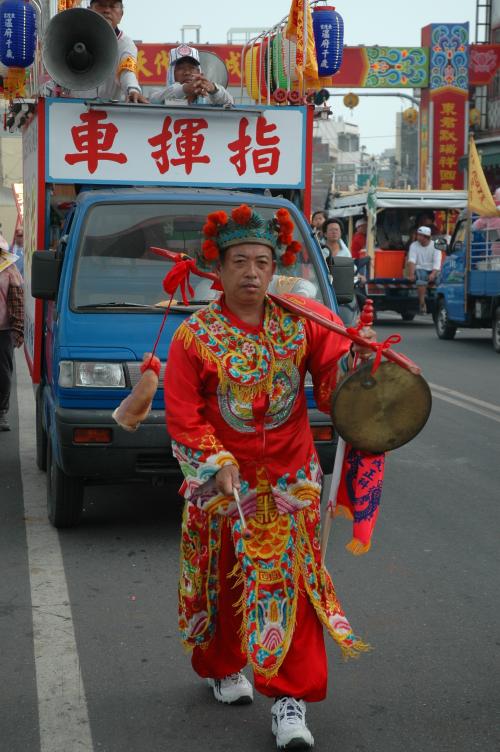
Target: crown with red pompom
x=245, y=225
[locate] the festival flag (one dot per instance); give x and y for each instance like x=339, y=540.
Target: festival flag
x=303, y=36
x=480, y=199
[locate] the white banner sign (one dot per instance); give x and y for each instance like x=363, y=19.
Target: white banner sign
x=260, y=148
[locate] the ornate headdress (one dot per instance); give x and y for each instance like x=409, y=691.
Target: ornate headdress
x=245, y=225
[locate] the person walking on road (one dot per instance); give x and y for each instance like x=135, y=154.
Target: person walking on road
x=11, y=329
x=256, y=591
x=424, y=263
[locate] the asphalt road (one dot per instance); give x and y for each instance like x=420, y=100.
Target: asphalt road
x=90, y=658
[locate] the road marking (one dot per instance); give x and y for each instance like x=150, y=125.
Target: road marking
x=460, y=395
x=62, y=705
x=486, y=409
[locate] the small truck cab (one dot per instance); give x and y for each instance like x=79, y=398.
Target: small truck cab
x=103, y=184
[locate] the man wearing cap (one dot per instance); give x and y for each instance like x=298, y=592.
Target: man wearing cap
x=424, y=263
x=186, y=81
x=255, y=592
x=122, y=84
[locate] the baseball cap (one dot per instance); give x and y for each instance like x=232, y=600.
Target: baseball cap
x=424, y=231
x=183, y=52
x=360, y=222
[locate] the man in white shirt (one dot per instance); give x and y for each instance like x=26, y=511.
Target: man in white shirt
x=424, y=263
x=186, y=81
x=123, y=83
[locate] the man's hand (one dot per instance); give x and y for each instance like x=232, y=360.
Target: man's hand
x=365, y=352
x=227, y=478
x=433, y=275
x=136, y=97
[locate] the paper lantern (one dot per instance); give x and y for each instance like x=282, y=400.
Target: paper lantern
x=474, y=116
x=410, y=116
x=290, y=60
x=279, y=74
x=17, y=33
x=252, y=72
x=351, y=100
x=328, y=28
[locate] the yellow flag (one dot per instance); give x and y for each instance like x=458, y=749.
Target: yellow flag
x=300, y=30
x=480, y=198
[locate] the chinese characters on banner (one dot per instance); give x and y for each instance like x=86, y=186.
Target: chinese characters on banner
x=114, y=145
x=449, y=140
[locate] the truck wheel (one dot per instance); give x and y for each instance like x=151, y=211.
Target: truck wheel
x=407, y=316
x=64, y=494
x=495, y=332
x=41, y=436
x=444, y=329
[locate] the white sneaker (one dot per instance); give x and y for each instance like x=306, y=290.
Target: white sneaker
x=289, y=724
x=234, y=689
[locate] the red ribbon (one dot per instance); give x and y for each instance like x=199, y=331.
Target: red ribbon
x=178, y=276
x=381, y=346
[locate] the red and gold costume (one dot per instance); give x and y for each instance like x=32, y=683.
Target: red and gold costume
x=235, y=393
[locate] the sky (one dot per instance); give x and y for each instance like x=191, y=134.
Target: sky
x=384, y=22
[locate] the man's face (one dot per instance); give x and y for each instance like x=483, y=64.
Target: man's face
x=184, y=71
x=246, y=272
x=333, y=231
x=362, y=228
x=111, y=10
x=318, y=220
x=18, y=238
x=423, y=239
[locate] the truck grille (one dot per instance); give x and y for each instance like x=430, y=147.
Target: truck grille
x=156, y=464
x=133, y=369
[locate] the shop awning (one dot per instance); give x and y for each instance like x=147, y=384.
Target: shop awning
x=489, y=152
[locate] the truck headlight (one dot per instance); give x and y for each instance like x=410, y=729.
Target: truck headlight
x=91, y=374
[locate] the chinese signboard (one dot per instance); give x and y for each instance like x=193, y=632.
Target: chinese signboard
x=443, y=107
x=252, y=147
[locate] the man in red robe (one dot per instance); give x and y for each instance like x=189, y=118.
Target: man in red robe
x=237, y=415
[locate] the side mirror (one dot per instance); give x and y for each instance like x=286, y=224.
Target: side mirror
x=440, y=244
x=45, y=272
x=343, y=278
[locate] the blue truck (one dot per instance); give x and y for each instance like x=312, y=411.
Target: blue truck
x=468, y=292
x=94, y=297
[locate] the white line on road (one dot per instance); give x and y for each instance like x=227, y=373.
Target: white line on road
x=488, y=410
x=462, y=396
x=62, y=706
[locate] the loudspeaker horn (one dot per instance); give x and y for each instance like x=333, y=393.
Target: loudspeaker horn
x=214, y=68
x=79, y=49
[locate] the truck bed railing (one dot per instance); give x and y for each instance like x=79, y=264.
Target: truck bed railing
x=485, y=255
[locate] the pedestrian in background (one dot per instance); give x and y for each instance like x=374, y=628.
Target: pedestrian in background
x=317, y=222
x=18, y=249
x=11, y=330
x=424, y=263
x=333, y=245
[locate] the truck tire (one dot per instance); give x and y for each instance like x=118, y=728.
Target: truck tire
x=64, y=494
x=406, y=316
x=495, y=331
x=41, y=436
x=444, y=329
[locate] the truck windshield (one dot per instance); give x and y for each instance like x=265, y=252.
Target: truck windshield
x=116, y=268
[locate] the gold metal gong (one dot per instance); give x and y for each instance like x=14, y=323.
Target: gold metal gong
x=381, y=412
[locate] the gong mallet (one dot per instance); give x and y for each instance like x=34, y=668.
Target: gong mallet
x=244, y=529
